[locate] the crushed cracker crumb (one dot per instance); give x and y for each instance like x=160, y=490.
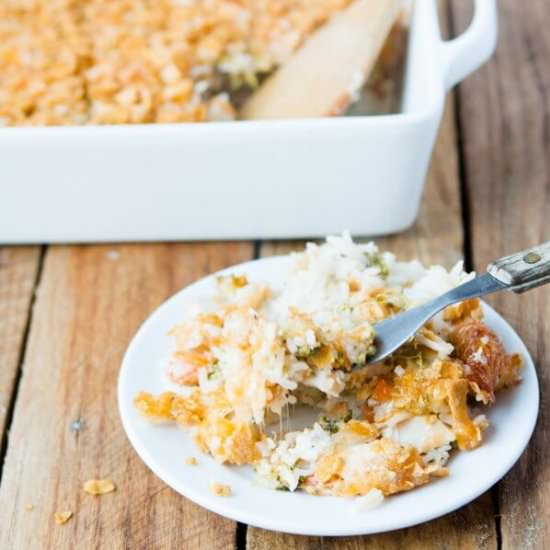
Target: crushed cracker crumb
x=29, y=507
x=220, y=490
x=191, y=461
x=62, y=517
x=65, y=62
x=99, y=486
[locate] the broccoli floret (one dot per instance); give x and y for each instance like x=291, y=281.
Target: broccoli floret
x=330, y=425
x=374, y=259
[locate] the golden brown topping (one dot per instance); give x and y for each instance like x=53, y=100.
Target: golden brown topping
x=136, y=61
x=469, y=309
x=363, y=429
x=468, y=434
x=328, y=467
x=99, y=486
x=238, y=440
x=62, y=517
x=168, y=406
x=159, y=407
x=323, y=357
x=239, y=281
x=388, y=467
x=382, y=391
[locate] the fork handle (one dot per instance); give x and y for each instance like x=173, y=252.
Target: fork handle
x=523, y=270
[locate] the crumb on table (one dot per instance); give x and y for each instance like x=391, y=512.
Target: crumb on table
x=62, y=517
x=99, y=486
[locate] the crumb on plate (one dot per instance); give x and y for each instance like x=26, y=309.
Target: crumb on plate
x=220, y=490
x=372, y=499
x=191, y=461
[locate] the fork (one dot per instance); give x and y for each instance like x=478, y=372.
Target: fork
x=518, y=272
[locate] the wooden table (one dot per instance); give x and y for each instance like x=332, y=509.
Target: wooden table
x=68, y=312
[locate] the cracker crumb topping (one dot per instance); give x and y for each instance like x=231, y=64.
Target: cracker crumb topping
x=65, y=62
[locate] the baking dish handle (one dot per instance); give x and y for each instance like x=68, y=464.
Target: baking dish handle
x=464, y=54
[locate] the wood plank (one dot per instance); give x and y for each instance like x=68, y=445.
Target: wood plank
x=505, y=116
x=91, y=300
x=437, y=237
x=18, y=271
x=465, y=529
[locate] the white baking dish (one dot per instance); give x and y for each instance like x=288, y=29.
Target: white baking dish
x=293, y=178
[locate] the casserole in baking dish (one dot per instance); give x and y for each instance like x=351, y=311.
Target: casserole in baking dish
x=254, y=179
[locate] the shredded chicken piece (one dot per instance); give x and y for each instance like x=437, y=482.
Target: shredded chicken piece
x=487, y=365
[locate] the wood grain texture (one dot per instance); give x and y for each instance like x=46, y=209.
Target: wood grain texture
x=277, y=248
x=90, y=302
x=18, y=271
x=505, y=117
x=437, y=237
x=469, y=528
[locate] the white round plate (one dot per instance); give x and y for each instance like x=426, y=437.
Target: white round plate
x=164, y=448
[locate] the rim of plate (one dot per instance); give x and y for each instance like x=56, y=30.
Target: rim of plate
x=245, y=508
